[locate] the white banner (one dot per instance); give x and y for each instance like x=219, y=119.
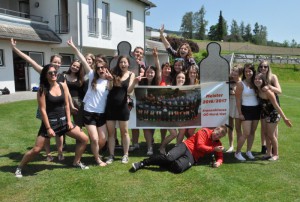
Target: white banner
x=194, y=106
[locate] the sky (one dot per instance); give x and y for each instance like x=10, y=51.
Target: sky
x=282, y=18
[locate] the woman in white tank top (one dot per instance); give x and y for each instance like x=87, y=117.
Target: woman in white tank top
x=248, y=109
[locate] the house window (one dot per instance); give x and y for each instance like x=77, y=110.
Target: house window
x=129, y=20
x=37, y=57
x=66, y=59
x=106, y=24
x=93, y=20
x=1, y=58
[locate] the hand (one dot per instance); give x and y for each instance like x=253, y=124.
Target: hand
x=74, y=110
x=219, y=148
x=162, y=29
x=70, y=125
x=13, y=42
x=155, y=52
x=108, y=75
x=241, y=116
x=216, y=164
x=70, y=43
x=50, y=132
x=288, y=122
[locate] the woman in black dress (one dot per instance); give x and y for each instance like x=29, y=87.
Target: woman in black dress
x=124, y=82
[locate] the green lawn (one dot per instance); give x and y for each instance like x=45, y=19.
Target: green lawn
x=233, y=181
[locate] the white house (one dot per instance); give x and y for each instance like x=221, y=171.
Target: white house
x=42, y=27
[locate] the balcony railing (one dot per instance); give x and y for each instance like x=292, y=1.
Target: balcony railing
x=93, y=26
x=21, y=15
x=106, y=29
x=62, y=24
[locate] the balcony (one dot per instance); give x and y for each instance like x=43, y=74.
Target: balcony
x=106, y=29
x=93, y=26
x=21, y=15
x=62, y=24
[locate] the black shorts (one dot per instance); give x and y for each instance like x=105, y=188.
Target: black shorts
x=92, y=118
x=59, y=126
x=251, y=112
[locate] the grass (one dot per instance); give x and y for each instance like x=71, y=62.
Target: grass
x=43, y=181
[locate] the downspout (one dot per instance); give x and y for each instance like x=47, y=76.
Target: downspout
x=146, y=9
x=80, y=26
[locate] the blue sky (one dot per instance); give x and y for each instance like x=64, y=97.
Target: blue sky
x=282, y=18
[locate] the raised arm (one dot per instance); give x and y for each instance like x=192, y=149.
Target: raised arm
x=28, y=59
x=272, y=98
x=86, y=66
x=157, y=64
x=163, y=38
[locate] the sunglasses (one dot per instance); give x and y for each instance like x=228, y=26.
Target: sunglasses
x=264, y=66
x=52, y=73
x=102, y=67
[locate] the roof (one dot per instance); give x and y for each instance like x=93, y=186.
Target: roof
x=148, y=3
x=150, y=44
x=28, y=31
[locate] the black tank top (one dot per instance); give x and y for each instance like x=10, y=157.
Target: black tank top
x=55, y=105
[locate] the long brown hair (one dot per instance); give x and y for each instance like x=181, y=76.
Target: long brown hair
x=96, y=75
x=79, y=74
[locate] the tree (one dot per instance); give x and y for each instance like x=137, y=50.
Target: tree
x=235, y=34
x=187, y=27
x=260, y=34
x=248, y=33
x=200, y=23
x=242, y=30
x=221, y=31
x=293, y=44
x=212, y=34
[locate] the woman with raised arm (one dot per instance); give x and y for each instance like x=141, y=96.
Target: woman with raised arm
x=56, y=61
x=184, y=51
x=55, y=111
x=271, y=113
x=95, y=103
x=273, y=83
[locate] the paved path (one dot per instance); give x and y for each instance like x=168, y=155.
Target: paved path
x=18, y=96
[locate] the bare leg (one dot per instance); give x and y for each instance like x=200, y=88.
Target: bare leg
x=125, y=136
x=111, y=136
x=39, y=144
x=81, y=142
x=135, y=136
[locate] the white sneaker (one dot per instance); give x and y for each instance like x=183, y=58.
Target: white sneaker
x=249, y=154
x=230, y=150
x=110, y=159
x=18, y=173
x=150, y=151
x=125, y=159
x=239, y=156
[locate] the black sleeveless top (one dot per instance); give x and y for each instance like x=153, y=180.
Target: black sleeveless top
x=55, y=105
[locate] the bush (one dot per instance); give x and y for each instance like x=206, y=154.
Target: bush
x=176, y=42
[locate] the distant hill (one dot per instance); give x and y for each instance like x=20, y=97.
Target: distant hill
x=240, y=47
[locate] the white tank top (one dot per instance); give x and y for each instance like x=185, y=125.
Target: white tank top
x=248, y=96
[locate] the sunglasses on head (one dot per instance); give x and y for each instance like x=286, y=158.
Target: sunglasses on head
x=51, y=73
x=179, y=59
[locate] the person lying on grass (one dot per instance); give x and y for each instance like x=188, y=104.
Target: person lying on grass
x=185, y=154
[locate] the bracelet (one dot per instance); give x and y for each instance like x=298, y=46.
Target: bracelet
x=48, y=128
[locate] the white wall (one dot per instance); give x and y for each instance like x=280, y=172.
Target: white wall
x=7, y=71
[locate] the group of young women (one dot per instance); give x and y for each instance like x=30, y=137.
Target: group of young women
x=100, y=101
x=254, y=98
